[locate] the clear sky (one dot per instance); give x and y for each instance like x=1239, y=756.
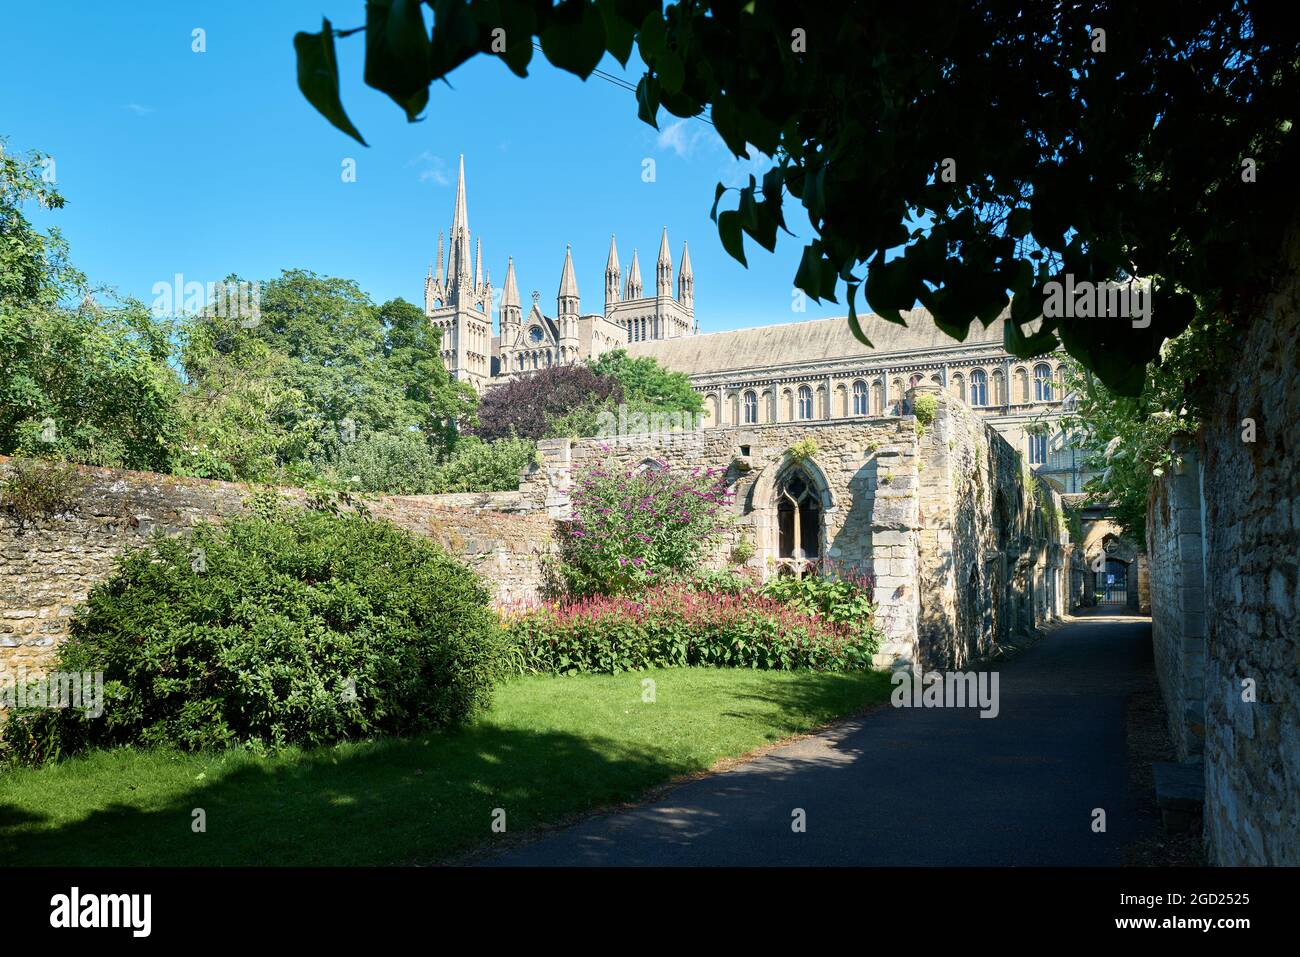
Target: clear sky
x=210, y=163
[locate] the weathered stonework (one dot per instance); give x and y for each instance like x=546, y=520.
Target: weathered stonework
x=49, y=565
x=965, y=545
x=1175, y=541
x=1251, y=492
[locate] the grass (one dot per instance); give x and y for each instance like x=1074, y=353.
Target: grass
x=549, y=748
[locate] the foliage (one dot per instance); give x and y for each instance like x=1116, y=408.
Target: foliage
x=677, y=625
x=33, y=266
x=631, y=526
x=304, y=628
x=644, y=380
x=39, y=487
x=1000, y=145
x=803, y=450
x=525, y=406
x=924, y=407
x=397, y=463
x=839, y=594
x=1129, y=437
x=322, y=367
x=478, y=466
x=89, y=383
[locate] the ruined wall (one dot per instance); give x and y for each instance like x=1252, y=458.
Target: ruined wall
x=993, y=554
x=965, y=546
x=49, y=564
x=1177, y=597
x=1252, y=517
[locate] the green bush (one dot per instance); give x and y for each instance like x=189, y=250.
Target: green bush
x=396, y=463
x=676, y=625
x=843, y=597
x=478, y=466
x=299, y=628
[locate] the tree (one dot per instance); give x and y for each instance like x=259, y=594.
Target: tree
x=79, y=378
x=321, y=367
x=964, y=152
x=1129, y=437
x=644, y=380
x=524, y=407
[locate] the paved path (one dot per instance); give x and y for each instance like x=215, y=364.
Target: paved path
x=915, y=786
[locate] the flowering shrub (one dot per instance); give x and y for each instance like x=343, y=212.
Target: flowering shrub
x=674, y=624
x=631, y=527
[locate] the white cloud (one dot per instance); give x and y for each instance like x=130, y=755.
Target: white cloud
x=139, y=109
x=431, y=168
x=683, y=136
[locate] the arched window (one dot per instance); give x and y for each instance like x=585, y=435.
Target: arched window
x=979, y=388
x=859, y=398
x=1043, y=391
x=915, y=380
x=998, y=388
x=1037, y=449
x=1020, y=392
x=895, y=397
x=877, y=398
x=805, y=402
x=799, y=514
x=751, y=408
x=959, y=385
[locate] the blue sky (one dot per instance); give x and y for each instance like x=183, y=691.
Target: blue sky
x=209, y=163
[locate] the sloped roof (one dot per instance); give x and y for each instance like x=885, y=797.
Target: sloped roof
x=811, y=341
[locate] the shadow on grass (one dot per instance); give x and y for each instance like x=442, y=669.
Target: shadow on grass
x=389, y=801
x=386, y=802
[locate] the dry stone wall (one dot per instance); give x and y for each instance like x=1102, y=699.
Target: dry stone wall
x=49, y=564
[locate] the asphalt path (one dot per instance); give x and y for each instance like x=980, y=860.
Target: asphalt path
x=914, y=786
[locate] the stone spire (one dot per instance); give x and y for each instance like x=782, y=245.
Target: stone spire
x=633, y=290
x=510, y=293
x=612, y=275
x=458, y=264
x=478, y=264
x=567, y=299
x=686, y=280
x=664, y=268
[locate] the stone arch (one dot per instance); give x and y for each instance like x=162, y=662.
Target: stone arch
x=711, y=409
x=764, y=503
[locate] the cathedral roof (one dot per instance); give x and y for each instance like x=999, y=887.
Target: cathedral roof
x=816, y=340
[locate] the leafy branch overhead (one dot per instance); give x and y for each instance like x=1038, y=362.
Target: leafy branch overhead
x=953, y=154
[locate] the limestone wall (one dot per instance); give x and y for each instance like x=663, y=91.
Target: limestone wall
x=965, y=547
x=49, y=565
x=1252, y=516
x=1176, y=581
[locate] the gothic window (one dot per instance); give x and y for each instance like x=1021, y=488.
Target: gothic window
x=1043, y=391
x=979, y=388
x=998, y=390
x=1037, y=449
x=805, y=402
x=859, y=398
x=799, y=515
x=751, y=408
x=877, y=398
x=1021, y=389
x=959, y=385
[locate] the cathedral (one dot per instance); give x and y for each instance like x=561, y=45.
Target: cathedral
x=812, y=370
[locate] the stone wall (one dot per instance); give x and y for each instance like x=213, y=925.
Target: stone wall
x=966, y=547
x=1176, y=544
x=49, y=565
x=1252, y=516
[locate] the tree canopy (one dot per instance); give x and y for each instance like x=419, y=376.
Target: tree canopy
x=960, y=154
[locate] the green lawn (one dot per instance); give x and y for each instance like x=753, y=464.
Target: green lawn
x=549, y=747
